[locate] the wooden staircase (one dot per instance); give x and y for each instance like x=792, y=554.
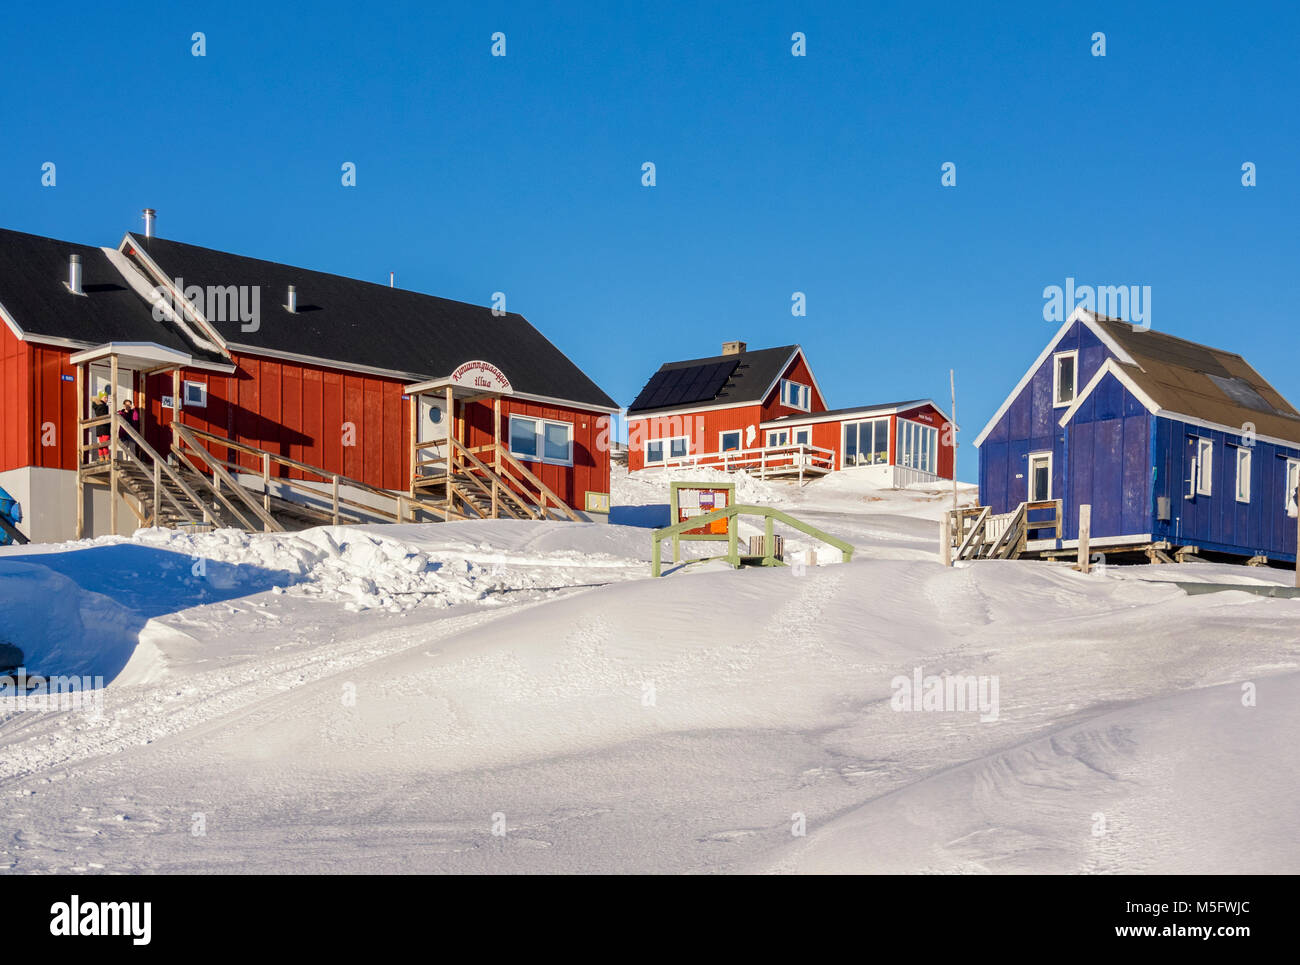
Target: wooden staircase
x=976, y=533
x=485, y=482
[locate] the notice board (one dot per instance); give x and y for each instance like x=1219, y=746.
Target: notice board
x=690, y=499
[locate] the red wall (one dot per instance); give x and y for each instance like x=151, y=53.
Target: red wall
x=300, y=412
x=590, y=469
x=701, y=427
x=796, y=371
x=35, y=394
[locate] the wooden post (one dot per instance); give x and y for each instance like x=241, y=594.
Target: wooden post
x=496, y=456
x=769, y=542
x=112, y=445
x=81, y=456
x=266, y=481
x=448, y=453
x=414, y=439
x=952, y=385
x=733, y=552
x=157, y=485
x=335, y=498
x=945, y=539
x=1085, y=531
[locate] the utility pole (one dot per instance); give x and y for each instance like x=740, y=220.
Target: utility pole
x=952, y=387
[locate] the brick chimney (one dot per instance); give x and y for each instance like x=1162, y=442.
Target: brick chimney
x=733, y=348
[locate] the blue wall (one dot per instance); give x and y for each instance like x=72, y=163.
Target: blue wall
x=1219, y=521
x=1108, y=463
x=1029, y=425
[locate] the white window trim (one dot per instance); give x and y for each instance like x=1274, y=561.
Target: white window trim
x=1204, y=467
x=1029, y=476
x=667, y=449
x=797, y=431
x=888, y=438
x=203, y=394
x=1243, y=451
x=1058, y=403
x=540, y=436
x=777, y=432
x=805, y=396
x=920, y=430
x=1288, y=504
x=727, y=432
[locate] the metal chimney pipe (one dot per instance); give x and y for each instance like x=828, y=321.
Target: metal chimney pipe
x=392, y=279
x=149, y=215
x=74, y=275
x=293, y=299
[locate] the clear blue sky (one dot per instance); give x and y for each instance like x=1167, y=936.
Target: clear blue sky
x=775, y=174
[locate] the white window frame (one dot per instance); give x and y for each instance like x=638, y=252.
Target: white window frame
x=1204, y=466
x=1029, y=476
x=777, y=432
x=740, y=439
x=1243, y=457
x=856, y=426
x=918, y=446
x=806, y=432
x=667, y=444
x=1057, y=401
x=804, y=402
x=539, y=435
x=1288, y=495
x=189, y=403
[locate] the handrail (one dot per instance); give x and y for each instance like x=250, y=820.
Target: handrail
x=976, y=530
x=171, y=474
x=402, y=499
x=542, y=487
x=486, y=490
x=730, y=514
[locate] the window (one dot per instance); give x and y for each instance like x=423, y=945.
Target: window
x=195, y=394
x=1064, y=377
x=1040, y=476
x=656, y=450
x=795, y=395
x=866, y=443
x=803, y=437
x=729, y=441
x=778, y=437
x=919, y=446
x=1203, y=470
x=541, y=440
x=1292, y=481
x=1243, y=474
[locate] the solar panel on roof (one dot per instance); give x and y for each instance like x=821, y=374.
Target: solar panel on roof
x=685, y=385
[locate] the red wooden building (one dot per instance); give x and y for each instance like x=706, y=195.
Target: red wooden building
x=762, y=411
x=274, y=395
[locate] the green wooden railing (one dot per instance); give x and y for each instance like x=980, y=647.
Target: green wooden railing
x=730, y=514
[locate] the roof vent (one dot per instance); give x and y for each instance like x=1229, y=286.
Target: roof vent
x=733, y=348
x=149, y=216
x=292, y=303
x=74, y=275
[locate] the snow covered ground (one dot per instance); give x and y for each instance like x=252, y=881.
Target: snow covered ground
x=382, y=699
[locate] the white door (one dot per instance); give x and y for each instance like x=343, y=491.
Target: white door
x=1040, y=477
x=434, y=424
x=100, y=378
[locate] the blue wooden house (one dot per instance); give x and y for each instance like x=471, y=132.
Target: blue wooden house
x=1174, y=445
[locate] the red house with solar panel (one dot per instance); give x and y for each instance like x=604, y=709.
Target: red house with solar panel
x=762, y=412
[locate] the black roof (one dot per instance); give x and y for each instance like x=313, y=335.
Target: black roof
x=33, y=273
x=678, y=385
x=358, y=323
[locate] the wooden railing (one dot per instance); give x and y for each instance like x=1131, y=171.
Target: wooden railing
x=977, y=533
x=731, y=514
x=496, y=475
x=393, y=506
x=765, y=461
